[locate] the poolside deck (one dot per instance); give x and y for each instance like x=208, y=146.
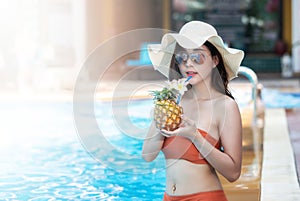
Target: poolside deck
x=279, y=178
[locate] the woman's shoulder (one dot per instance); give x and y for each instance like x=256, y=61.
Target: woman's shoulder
x=230, y=100
x=228, y=109
x=226, y=102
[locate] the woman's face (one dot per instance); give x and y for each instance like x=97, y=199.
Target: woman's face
x=197, y=63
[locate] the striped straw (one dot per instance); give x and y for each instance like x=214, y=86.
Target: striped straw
x=179, y=96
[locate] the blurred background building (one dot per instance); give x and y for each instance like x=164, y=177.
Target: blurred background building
x=44, y=43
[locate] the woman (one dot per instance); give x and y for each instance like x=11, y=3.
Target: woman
x=211, y=117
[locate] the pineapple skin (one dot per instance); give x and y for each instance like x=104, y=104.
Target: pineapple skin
x=167, y=114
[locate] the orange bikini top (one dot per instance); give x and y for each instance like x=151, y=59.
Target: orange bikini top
x=178, y=147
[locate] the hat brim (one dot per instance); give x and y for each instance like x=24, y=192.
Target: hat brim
x=161, y=54
x=232, y=57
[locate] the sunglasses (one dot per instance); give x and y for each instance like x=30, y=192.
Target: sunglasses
x=197, y=58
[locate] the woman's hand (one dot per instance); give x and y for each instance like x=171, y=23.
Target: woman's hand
x=186, y=129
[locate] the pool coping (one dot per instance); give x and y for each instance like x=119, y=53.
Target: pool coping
x=278, y=178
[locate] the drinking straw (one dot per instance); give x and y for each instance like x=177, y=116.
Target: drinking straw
x=179, y=96
x=189, y=77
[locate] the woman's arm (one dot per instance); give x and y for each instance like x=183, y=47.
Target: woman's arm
x=152, y=144
x=229, y=162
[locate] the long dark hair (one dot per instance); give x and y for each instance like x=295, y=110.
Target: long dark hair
x=219, y=74
x=220, y=85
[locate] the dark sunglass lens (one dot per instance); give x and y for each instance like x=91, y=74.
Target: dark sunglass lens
x=178, y=59
x=196, y=58
x=184, y=57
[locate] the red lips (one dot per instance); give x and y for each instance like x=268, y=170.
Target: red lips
x=191, y=73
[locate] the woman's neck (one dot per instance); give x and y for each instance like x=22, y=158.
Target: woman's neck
x=204, y=91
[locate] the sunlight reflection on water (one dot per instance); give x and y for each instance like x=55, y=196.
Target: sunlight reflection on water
x=43, y=160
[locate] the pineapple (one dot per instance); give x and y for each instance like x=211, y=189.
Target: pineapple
x=167, y=111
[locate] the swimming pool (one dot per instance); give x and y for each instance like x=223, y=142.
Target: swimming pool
x=43, y=158
x=272, y=98
x=276, y=99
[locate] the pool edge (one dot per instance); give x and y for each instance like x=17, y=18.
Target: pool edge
x=279, y=177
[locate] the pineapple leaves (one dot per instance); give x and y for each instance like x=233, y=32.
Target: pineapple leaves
x=164, y=94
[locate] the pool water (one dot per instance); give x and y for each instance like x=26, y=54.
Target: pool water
x=271, y=98
x=276, y=99
x=42, y=157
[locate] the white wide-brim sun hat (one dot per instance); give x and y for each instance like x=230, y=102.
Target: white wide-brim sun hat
x=192, y=35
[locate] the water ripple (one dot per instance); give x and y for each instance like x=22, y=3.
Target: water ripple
x=7, y=195
x=51, y=164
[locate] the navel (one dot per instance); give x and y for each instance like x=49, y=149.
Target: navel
x=174, y=188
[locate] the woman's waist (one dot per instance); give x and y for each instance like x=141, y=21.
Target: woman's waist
x=178, y=167
x=191, y=187
x=187, y=177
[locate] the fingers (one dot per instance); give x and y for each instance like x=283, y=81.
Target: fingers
x=167, y=133
x=187, y=120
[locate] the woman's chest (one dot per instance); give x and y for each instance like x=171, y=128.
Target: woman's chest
x=206, y=115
